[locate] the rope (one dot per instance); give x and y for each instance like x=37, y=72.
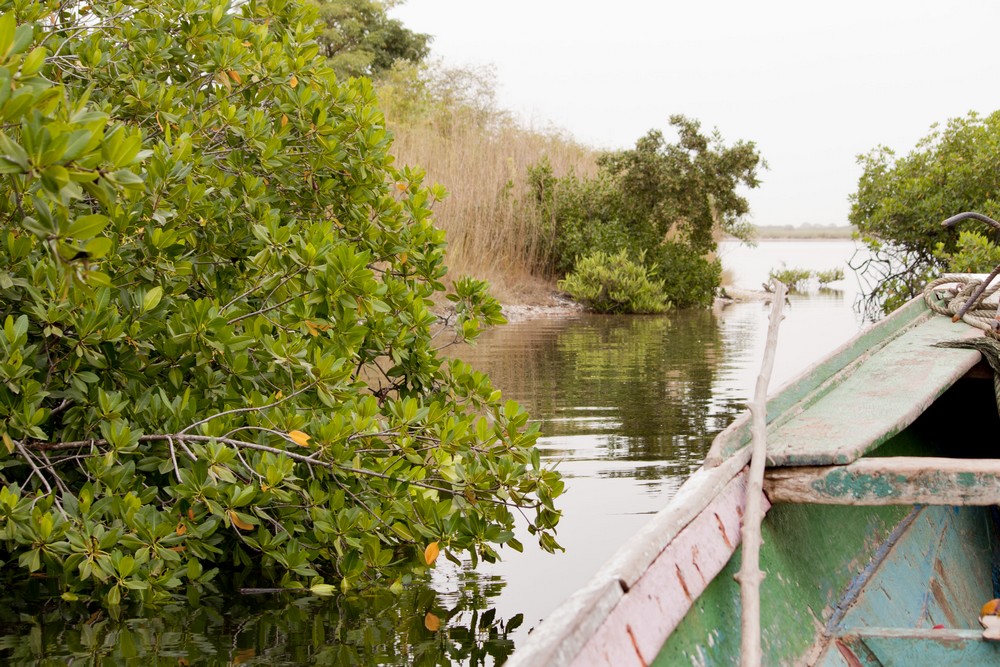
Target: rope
x=956, y=297
x=964, y=298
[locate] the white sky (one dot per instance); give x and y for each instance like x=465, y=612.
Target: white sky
x=813, y=84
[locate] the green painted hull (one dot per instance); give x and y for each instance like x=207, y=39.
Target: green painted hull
x=833, y=570
x=869, y=581
x=857, y=574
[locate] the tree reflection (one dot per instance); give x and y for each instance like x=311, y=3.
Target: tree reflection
x=644, y=384
x=417, y=627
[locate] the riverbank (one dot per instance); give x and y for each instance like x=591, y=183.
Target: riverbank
x=558, y=305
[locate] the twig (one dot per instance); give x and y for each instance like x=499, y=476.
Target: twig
x=236, y=411
x=173, y=458
x=180, y=438
x=31, y=462
x=750, y=575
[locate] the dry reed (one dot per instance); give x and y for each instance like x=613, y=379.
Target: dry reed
x=493, y=231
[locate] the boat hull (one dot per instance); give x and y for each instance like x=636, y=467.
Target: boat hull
x=837, y=573
x=857, y=573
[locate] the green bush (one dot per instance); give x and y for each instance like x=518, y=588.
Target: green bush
x=615, y=284
x=797, y=279
x=690, y=280
x=216, y=353
x=973, y=253
x=901, y=201
x=828, y=276
x=668, y=200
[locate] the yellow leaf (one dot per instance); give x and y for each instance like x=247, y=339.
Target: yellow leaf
x=313, y=331
x=238, y=522
x=431, y=553
x=402, y=258
x=284, y=120
x=244, y=655
x=235, y=76
x=181, y=529
x=294, y=81
x=8, y=443
x=299, y=438
x=432, y=622
x=247, y=44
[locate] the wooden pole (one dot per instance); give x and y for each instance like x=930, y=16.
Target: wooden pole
x=750, y=575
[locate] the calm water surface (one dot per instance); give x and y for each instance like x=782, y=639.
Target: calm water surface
x=628, y=407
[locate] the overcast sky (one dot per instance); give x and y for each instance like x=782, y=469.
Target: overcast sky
x=813, y=84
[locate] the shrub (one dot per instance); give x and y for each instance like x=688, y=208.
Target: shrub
x=901, y=201
x=689, y=279
x=615, y=284
x=668, y=200
x=973, y=253
x=829, y=276
x=797, y=279
x=217, y=354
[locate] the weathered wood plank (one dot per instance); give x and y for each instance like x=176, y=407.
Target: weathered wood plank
x=901, y=480
x=632, y=560
x=916, y=646
x=878, y=400
x=819, y=377
x=862, y=395
x=646, y=615
x=560, y=639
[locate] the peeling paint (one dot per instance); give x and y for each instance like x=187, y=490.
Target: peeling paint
x=680, y=578
x=722, y=528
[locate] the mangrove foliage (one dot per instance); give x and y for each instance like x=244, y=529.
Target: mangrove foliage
x=217, y=355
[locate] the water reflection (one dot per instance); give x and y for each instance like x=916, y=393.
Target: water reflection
x=613, y=389
x=419, y=627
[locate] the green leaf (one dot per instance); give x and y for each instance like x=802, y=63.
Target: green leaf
x=33, y=61
x=152, y=299
x=87, y=226
x=322, y=589
x=98, y=248
x=7, y=27
x=126, y=179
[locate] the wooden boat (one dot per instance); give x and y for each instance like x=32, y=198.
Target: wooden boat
x=880, y=537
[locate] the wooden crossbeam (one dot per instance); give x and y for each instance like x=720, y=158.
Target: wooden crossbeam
x=915, y=646
x=900, y=480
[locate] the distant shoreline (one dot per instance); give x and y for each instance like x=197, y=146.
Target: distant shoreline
x=806, y=232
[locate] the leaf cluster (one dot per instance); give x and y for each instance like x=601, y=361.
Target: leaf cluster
x=615, y=284
x=372, y=627
x=359, y=38
x=217, y=349
x=797, y=279
x=901, y=201
x=669, y=201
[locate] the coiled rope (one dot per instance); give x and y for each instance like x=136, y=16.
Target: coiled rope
x=965, y=298
x=956, y=296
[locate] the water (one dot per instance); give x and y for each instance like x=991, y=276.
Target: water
x=628, y=406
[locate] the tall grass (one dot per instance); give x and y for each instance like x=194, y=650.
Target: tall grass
x=458, y=135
